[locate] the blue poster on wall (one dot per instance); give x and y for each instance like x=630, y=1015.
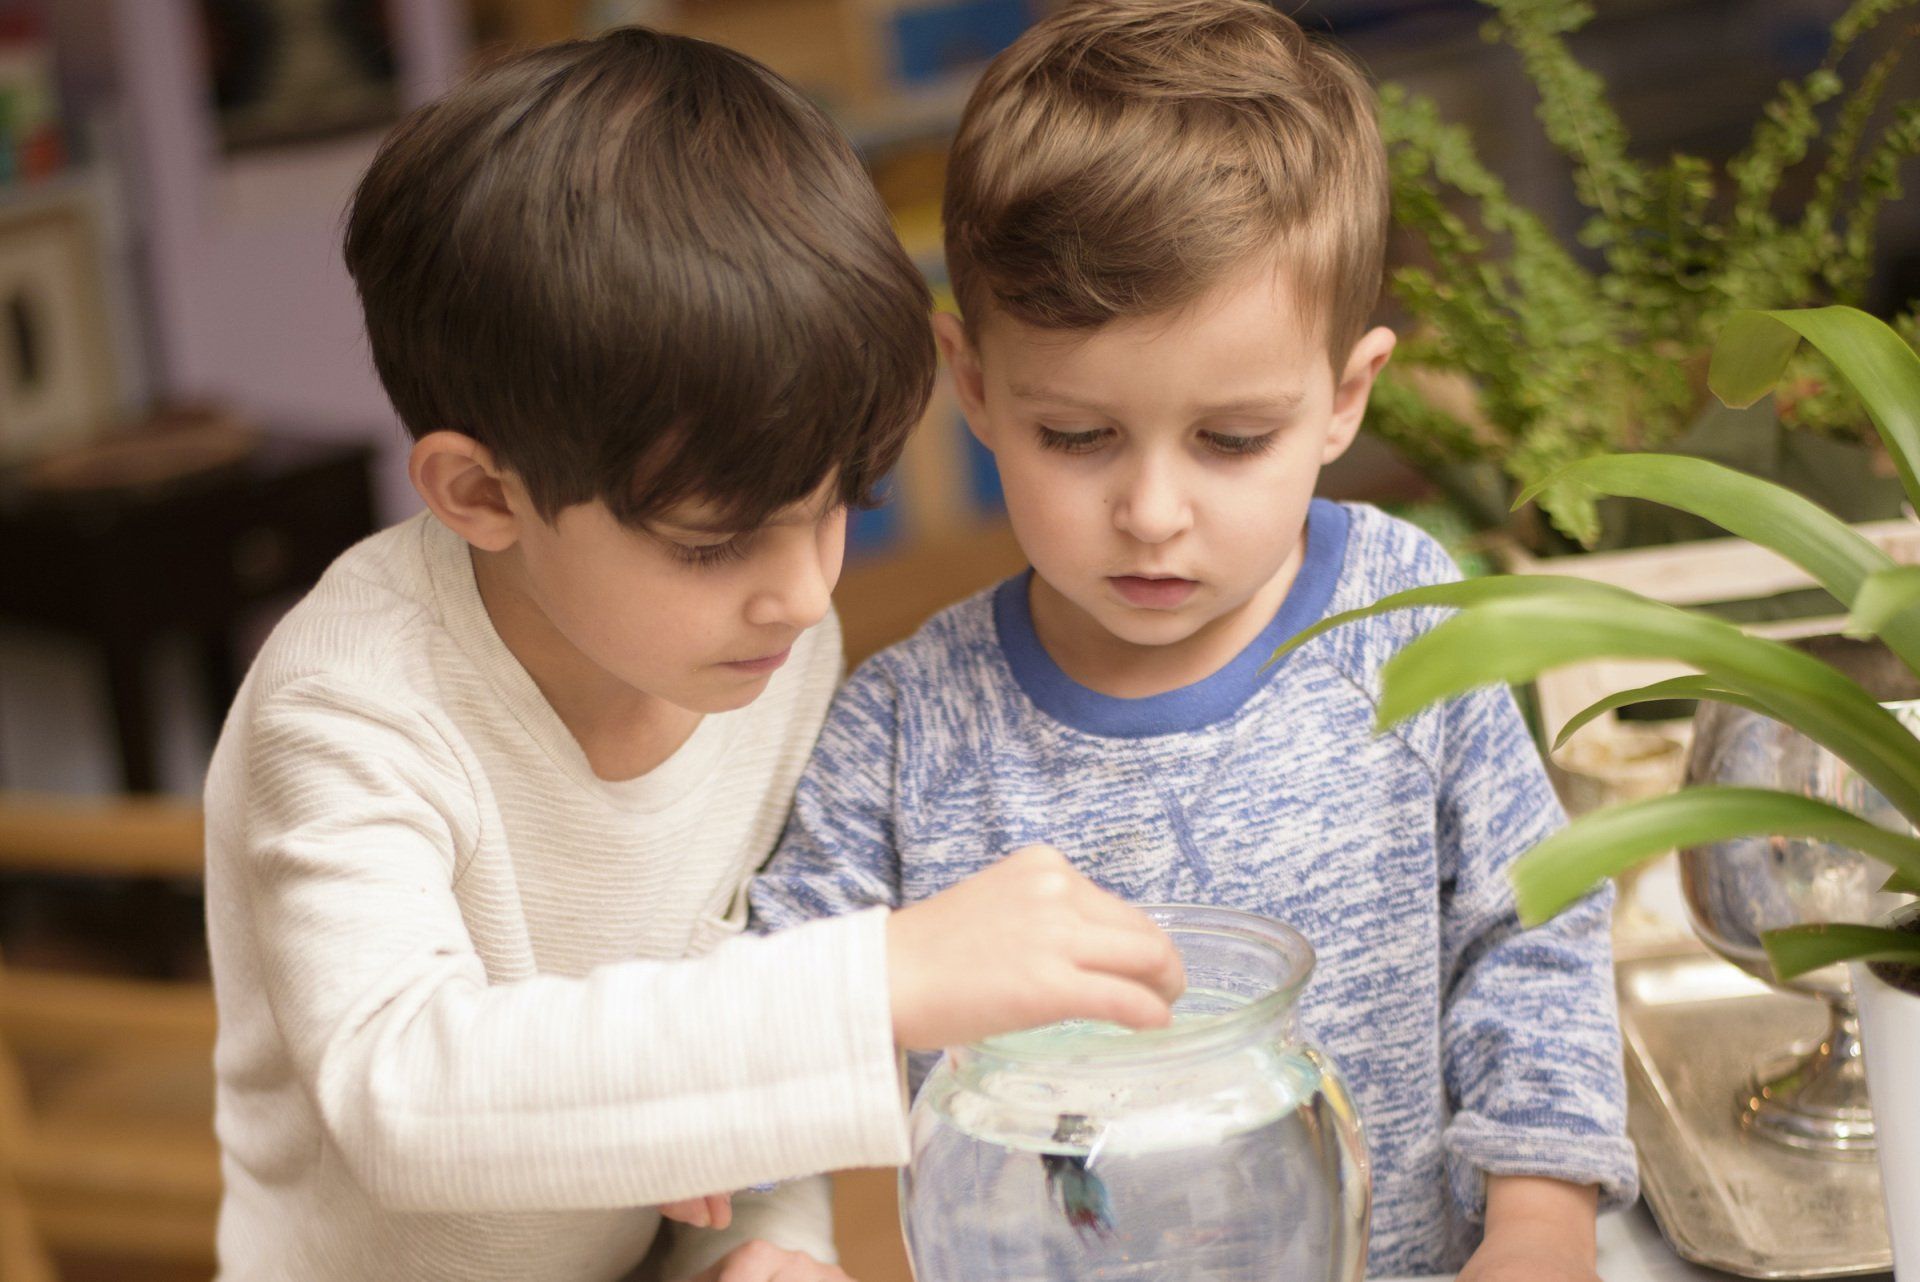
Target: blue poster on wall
x=934, y=40
x=875, y=529
x=983, y=476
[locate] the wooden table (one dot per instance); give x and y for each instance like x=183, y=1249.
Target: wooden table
x=120, y=567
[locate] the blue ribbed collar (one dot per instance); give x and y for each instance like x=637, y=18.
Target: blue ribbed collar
x=1191, y=707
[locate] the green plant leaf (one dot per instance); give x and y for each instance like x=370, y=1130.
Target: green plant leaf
x=1564, y=867
x=1827, y=548
x=1691, y=687
x=1885, y=601
x=1902, y=883
x=1457, y=595
x=1517, y=638
x=1750, y=357
x=1795, y=950
x=1757, y=510
x=1885, y=372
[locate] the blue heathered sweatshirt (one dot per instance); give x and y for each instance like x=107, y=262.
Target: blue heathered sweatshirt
x=1472, y=1046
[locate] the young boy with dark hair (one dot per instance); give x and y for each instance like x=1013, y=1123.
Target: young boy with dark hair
x=1165, y=225
x=481, y=822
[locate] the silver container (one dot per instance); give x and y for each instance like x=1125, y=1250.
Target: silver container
x=1812, y=1095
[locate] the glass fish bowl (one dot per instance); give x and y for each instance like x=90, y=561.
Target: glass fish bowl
x=1222, y=1149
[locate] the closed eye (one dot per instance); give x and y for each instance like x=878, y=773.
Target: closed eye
x=1080, y=442
x=1236, y=446
x=707, y=555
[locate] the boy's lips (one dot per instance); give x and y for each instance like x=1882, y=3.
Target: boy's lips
x=765, y=663
x=1153, y=593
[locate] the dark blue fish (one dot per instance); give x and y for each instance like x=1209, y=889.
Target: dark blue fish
x=1082, y=1194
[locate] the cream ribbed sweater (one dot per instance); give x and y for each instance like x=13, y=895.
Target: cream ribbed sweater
x=458, y=1038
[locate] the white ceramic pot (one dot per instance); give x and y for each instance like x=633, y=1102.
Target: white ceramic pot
x=1890, y=1033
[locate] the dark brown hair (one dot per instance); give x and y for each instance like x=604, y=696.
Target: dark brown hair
x=1123, y=156
x=644, y=269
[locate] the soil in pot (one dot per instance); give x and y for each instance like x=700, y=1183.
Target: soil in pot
x=1904, y=976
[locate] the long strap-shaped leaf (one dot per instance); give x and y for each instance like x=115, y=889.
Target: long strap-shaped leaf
x=1693, y=687
x=1467, y=592
x=1595, y=846
x=1885, y=600
x=1795, y=950
x=1516, y=639
x=1838, y=557
x=1754, y=348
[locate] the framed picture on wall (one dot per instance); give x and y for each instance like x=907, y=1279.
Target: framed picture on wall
x=296, y=70
x=58, y=373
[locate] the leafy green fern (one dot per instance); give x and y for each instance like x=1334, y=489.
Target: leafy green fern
x=1562, y=361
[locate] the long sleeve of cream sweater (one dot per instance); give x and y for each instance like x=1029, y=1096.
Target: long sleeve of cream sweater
x=481, y=1011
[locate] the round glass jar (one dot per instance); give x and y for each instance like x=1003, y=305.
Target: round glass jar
x=1223, y=1148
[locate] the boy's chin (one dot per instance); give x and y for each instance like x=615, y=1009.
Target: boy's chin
x=718, y=692
x=735, y=695
x=1148, y=627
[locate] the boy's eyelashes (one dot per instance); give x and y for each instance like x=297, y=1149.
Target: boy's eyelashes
x=1070, y=442
x=1086, y=440
x=1237, y=446
x=706, y=555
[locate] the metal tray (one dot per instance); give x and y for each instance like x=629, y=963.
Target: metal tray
x=1694, y=1027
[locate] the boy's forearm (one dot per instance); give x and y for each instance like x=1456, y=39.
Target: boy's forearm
x=1542, y=1218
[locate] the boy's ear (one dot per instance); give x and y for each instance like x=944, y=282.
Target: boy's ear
x=467, y=489
x=1350, y=394
x=963, y=364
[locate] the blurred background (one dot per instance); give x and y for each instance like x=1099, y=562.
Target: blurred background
x=190, y=428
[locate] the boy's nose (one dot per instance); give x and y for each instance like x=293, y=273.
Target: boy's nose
x=1151, y=507
x=795, y=594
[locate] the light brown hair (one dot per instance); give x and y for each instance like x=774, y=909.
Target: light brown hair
x=1123, y=156
x=644, y=269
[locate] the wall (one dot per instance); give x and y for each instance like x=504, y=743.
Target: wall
x=235, y=268
x=248, y=298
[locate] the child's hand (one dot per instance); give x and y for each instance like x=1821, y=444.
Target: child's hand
x=1021, y=944
x=1538, y=1230
x=714, y=1211
x=765, y=1262
x=1496, y=1263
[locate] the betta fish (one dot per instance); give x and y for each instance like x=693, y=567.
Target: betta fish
x=1082, y=1194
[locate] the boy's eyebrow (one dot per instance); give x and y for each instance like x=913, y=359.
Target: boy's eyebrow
x=690, y=523
x=1275, y=403
x=694, y=527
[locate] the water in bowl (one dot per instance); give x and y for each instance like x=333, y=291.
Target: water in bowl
x=1227, y=1169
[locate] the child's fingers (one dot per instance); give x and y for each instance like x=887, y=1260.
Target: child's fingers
x=689, y=1210
x=714, y=1211
x=1119, y=1001
x=1149, y=959
x=759, y=1261
x=1108, y=909
x=804, y=1268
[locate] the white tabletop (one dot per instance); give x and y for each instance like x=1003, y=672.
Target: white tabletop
x=1632, y=1250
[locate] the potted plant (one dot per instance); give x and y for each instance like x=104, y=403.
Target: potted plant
x=1522, y=355
x=1511, y=628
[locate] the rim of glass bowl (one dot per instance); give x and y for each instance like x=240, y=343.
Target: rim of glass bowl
x=1208, y=1034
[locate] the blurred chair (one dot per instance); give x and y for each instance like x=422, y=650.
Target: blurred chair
x=106, y=1083
x=866, y=1226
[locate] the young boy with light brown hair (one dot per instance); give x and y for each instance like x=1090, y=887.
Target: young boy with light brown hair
x=481, y=822
x=1165, y=225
